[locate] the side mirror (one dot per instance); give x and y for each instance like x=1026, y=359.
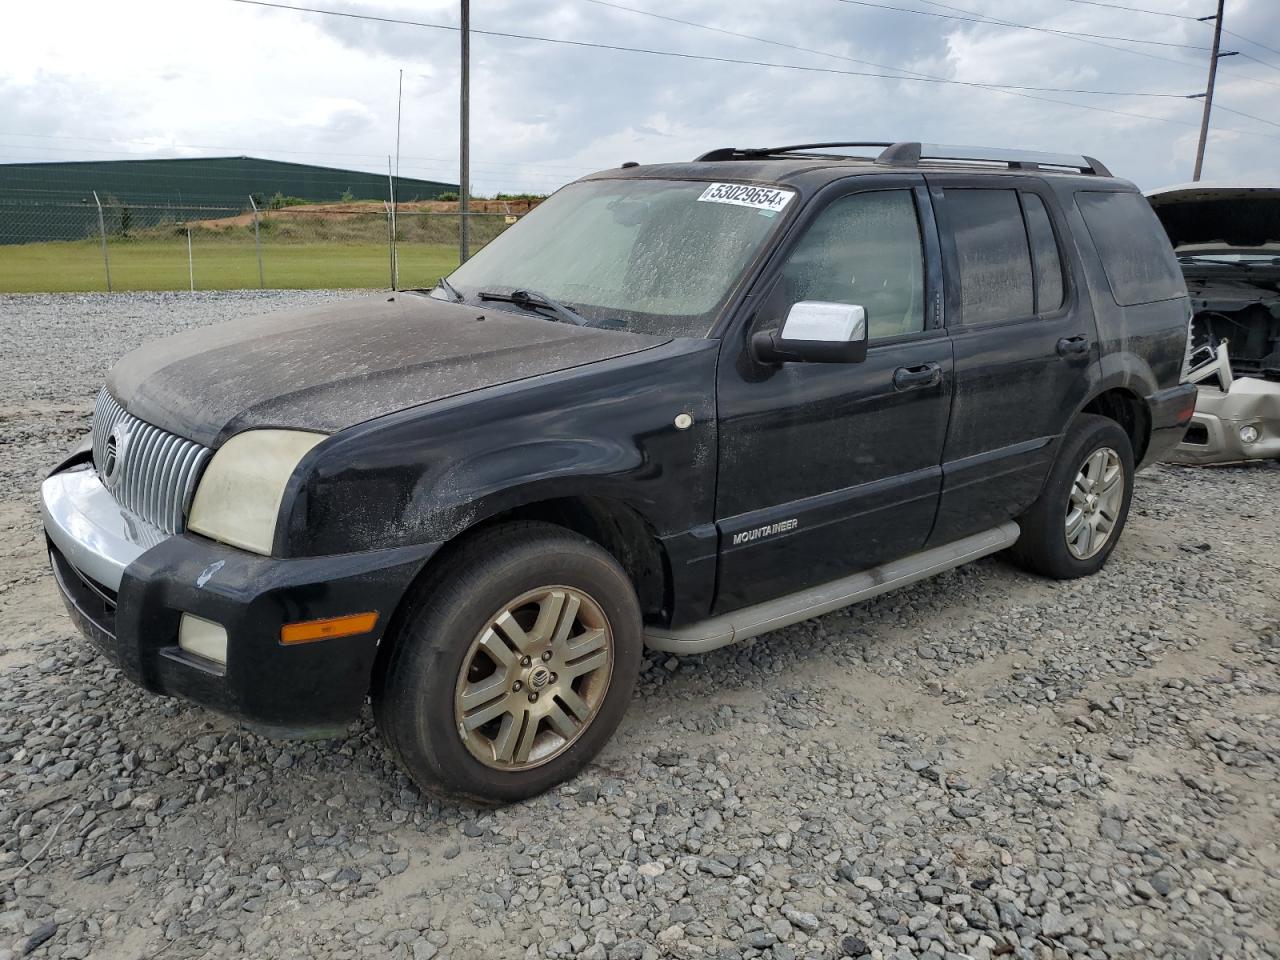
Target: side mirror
x=815, y=332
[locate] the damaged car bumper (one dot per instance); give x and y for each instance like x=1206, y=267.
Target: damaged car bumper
x=185, y=616
x=1232, y=426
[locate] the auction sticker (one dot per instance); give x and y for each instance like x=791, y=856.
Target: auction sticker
x=744, y=195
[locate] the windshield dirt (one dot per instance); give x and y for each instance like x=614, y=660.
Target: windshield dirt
x=650, y=256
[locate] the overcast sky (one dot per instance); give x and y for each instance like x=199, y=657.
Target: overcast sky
x=83, y=79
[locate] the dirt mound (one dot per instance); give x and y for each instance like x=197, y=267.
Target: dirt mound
x=337, y=211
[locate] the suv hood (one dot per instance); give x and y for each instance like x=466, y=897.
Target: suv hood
x=333, y=367
x=1239, y=215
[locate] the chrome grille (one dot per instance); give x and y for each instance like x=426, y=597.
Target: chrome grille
x=157, y=471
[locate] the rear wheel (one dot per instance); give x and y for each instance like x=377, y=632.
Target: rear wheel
x=512, y=669
x=1075, y=524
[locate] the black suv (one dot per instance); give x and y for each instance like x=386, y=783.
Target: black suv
x=677, y=405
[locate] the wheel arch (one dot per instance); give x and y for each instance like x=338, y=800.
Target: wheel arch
x=616, y=527
x=1127, y=409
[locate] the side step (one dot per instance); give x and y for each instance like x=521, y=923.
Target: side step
x=784, y=611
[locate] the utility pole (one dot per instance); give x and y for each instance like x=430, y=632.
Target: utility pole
x=1214, y=56
x=464, y=144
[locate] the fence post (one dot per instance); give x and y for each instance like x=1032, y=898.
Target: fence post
x=191, y=266
x=102, y=232
x=391, y=243
x=257, y=242
x=391, y=208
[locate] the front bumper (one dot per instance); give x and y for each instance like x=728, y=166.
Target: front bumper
x=1214, y=433
x=127, y=587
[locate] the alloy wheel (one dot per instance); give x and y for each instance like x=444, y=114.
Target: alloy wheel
x=534, y=678
x=1097, y=497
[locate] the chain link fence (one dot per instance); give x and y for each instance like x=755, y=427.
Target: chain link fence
x=103, y=243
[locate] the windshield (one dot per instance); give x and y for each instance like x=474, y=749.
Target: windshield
x=652, y=256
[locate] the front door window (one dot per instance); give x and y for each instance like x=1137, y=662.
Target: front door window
x=864, y=249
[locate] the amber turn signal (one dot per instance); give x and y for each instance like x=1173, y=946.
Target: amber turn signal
x=327, y=629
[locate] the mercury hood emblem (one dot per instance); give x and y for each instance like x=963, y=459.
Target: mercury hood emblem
x=113, y=455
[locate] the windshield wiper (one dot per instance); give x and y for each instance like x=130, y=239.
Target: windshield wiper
x=1217, y=260
x=449, y=288
x=531, y=299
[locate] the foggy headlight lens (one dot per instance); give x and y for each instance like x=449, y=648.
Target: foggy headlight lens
x=1249, y=434
x=238, y=499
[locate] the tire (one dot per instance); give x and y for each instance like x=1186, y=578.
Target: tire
x=496, y=688
x=1094, y=449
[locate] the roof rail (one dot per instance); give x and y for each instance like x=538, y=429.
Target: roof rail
x=909, y=154
x=752, y=153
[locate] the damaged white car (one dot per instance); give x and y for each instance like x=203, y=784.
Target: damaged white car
x=1227, y=239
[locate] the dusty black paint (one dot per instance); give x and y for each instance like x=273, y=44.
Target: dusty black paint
x=441, y=423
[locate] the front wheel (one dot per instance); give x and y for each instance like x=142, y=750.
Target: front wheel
x=513, y=668
x=1073, y=527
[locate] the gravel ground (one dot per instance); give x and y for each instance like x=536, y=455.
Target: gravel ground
x=984, y=764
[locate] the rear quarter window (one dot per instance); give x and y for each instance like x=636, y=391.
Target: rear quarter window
x=1134, y=250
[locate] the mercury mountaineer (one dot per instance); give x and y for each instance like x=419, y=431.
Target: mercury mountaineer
x=678, y=405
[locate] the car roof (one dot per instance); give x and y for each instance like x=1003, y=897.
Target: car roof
x=810, y=166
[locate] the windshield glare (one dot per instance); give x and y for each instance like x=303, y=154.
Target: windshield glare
x=652, y=256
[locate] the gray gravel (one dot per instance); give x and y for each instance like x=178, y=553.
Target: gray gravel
x=985, y=764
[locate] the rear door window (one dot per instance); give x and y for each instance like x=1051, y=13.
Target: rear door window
x=995, y=260
x=1134, y=249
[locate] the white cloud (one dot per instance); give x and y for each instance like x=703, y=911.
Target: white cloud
x=210, y=77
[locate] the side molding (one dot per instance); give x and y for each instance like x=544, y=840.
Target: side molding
x=814, y=602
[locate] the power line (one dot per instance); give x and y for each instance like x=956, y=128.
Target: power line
x=913, y=74
x=1241, y=113
x=1269, y=66
x=1081, y=37
x=1251, y=40
x=750, y=36
x=1145, y=54
x=650, y=51
x=1021, y=26
x=1236, y=75
x=1010, y=90
x=1120, y=6
x=779, y=43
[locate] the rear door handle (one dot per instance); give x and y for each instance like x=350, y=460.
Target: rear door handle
x=1073, y=346
x=912, y=378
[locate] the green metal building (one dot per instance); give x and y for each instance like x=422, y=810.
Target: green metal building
x=55, y=201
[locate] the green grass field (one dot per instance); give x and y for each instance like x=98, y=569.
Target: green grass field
x=161, y=264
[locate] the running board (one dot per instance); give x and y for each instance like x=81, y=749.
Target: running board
x=814, y=602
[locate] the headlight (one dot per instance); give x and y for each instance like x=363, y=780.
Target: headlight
x=1249, y=433
x=239, y=496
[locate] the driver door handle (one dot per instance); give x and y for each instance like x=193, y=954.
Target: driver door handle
x=1073, y=346
x=913, y=378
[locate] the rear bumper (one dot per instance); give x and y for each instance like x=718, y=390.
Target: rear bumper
x=1171, y=410
x=291, y=690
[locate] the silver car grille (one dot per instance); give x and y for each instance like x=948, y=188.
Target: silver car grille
x=149, y=471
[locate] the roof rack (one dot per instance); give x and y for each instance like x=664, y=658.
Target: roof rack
x=910, y=154
x=755, y=153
